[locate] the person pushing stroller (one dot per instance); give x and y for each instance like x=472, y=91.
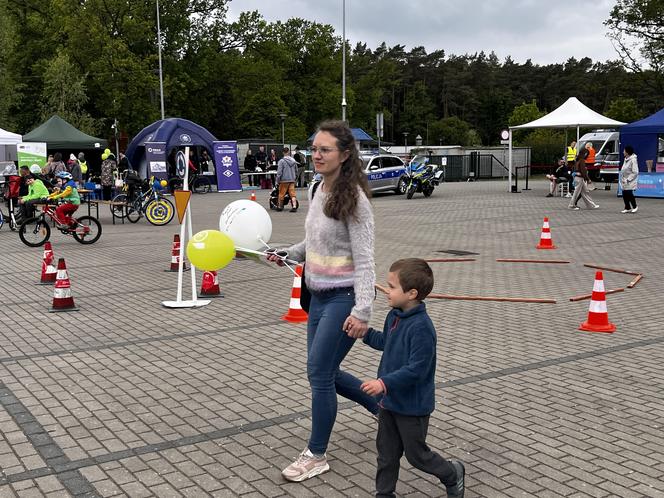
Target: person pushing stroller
x=286, y=177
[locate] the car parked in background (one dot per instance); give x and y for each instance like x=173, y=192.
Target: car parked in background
x=386, y=173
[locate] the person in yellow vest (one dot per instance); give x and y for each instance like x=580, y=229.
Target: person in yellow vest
x=571, y=153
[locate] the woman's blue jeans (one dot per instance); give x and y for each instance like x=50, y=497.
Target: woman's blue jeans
x=327, y=346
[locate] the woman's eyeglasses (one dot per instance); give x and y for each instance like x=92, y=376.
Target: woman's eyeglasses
x=323, y=150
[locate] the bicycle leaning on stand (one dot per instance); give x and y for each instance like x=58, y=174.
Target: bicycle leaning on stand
x=35, y=231
x=147, y=201
x=199, y=184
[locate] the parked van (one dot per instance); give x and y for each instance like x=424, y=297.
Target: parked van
x=607, y=154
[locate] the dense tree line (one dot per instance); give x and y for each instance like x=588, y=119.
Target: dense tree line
x=95, y=60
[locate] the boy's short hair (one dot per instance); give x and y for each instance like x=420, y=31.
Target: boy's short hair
x=414, y=273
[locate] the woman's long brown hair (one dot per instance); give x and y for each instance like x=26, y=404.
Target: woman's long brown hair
x=342, y=199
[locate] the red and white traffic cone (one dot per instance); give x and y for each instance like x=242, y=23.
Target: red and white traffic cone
x=545, y=239
x=48, y=272
x=210, y=285
x=295, y=312
x=598, y=316
x=62, y=296
x=252, y=197
x=175, y=256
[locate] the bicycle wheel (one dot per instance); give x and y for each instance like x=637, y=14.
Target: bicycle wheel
x=159, y=212
x=119, y=211
x=201, y=185
x=134, y=211
x=34, y=232
x=88, y=230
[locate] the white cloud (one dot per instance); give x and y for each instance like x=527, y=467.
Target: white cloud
x=541, y=30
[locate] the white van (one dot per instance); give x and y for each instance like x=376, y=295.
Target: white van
x=607, y=154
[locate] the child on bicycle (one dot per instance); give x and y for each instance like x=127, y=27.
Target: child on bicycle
x=69, y=194
x=36, y=192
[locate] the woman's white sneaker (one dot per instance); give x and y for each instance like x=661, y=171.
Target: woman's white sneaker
x=626, y=211
x=305, y=467
x=635, y=209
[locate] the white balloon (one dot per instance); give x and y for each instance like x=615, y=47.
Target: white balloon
x=247, y=223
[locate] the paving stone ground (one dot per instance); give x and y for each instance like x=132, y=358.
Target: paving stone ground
x=127, y=398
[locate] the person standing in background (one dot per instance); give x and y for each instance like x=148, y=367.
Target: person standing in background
x=590, y=163
x=629, y=179
x=108, y=169
x=84, y=166
x=581, y=181
x=250, y=166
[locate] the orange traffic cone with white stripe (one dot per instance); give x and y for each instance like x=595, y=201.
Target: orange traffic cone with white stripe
x=48, y=272
x=295, y=312
x=545, y=239
x=252, y=197
x=598, y=316
x=175, y=255
x=210, y=285
x=62, y=297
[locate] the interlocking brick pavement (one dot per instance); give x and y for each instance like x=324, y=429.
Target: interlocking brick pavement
x=127, y=398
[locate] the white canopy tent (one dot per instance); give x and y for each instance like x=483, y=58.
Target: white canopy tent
x=11, y=139
x=573, y=113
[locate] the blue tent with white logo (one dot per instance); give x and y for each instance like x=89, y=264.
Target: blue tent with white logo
x=175, y=132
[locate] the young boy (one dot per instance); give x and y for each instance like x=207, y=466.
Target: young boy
x=406, y=382
x=68, y=192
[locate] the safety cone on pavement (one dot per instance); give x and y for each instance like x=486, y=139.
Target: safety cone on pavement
x=210, y=285
x=545, y=239
x=175, y=255
x=598, y=316
x=252, y=197
x=295, y=312
x=48, y=272
x=62, y=297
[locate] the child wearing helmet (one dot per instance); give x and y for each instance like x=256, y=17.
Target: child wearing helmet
x=69, y=194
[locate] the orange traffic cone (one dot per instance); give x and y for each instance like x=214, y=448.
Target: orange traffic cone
x=48, y=272
x=545, y=239
x=295, y=312
x=210, y=285
x=175, y=255
x=62, y=298
x=252, y=197
x=598, y=317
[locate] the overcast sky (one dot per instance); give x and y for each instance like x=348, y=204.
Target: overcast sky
x=545, y=31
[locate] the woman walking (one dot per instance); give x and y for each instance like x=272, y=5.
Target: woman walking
x=339, y=252
x=581, y=181
x=629, y=176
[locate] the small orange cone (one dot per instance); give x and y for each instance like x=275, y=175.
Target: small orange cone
x=62, y=298
x=210, y=285
x=48, y=272
x=545, y=240
x=175, y=255
x=252, y=197
x=598, y=316
x=295, y=312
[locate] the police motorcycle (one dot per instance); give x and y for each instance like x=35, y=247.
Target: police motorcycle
x=422, y=177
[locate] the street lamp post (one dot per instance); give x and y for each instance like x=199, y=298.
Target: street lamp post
x=405, y=138
x=161, y=77
x=343, y=63
x=282, y=115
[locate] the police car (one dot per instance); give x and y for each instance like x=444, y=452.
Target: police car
x=386, y=173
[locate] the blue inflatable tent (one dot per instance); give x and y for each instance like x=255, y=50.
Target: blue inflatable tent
x=175, y=132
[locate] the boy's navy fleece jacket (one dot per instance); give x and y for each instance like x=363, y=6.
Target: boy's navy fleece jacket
x=408, y=365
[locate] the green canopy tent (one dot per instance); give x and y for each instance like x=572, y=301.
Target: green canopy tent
x=60, y=135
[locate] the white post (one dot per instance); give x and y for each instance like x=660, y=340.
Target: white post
x=509, y=161
x=343, y=64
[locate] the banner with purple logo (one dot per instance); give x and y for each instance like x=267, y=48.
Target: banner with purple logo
x=155, y=155
x=226, y=166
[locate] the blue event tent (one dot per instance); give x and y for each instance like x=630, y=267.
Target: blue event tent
x=646, y=136
x=175, y=132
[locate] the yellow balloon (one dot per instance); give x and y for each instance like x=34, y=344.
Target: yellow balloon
x=210, y=250
x=163, y=183
x=104, y=156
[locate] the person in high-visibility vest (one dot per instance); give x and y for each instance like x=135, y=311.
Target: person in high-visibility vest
x=571, y=153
